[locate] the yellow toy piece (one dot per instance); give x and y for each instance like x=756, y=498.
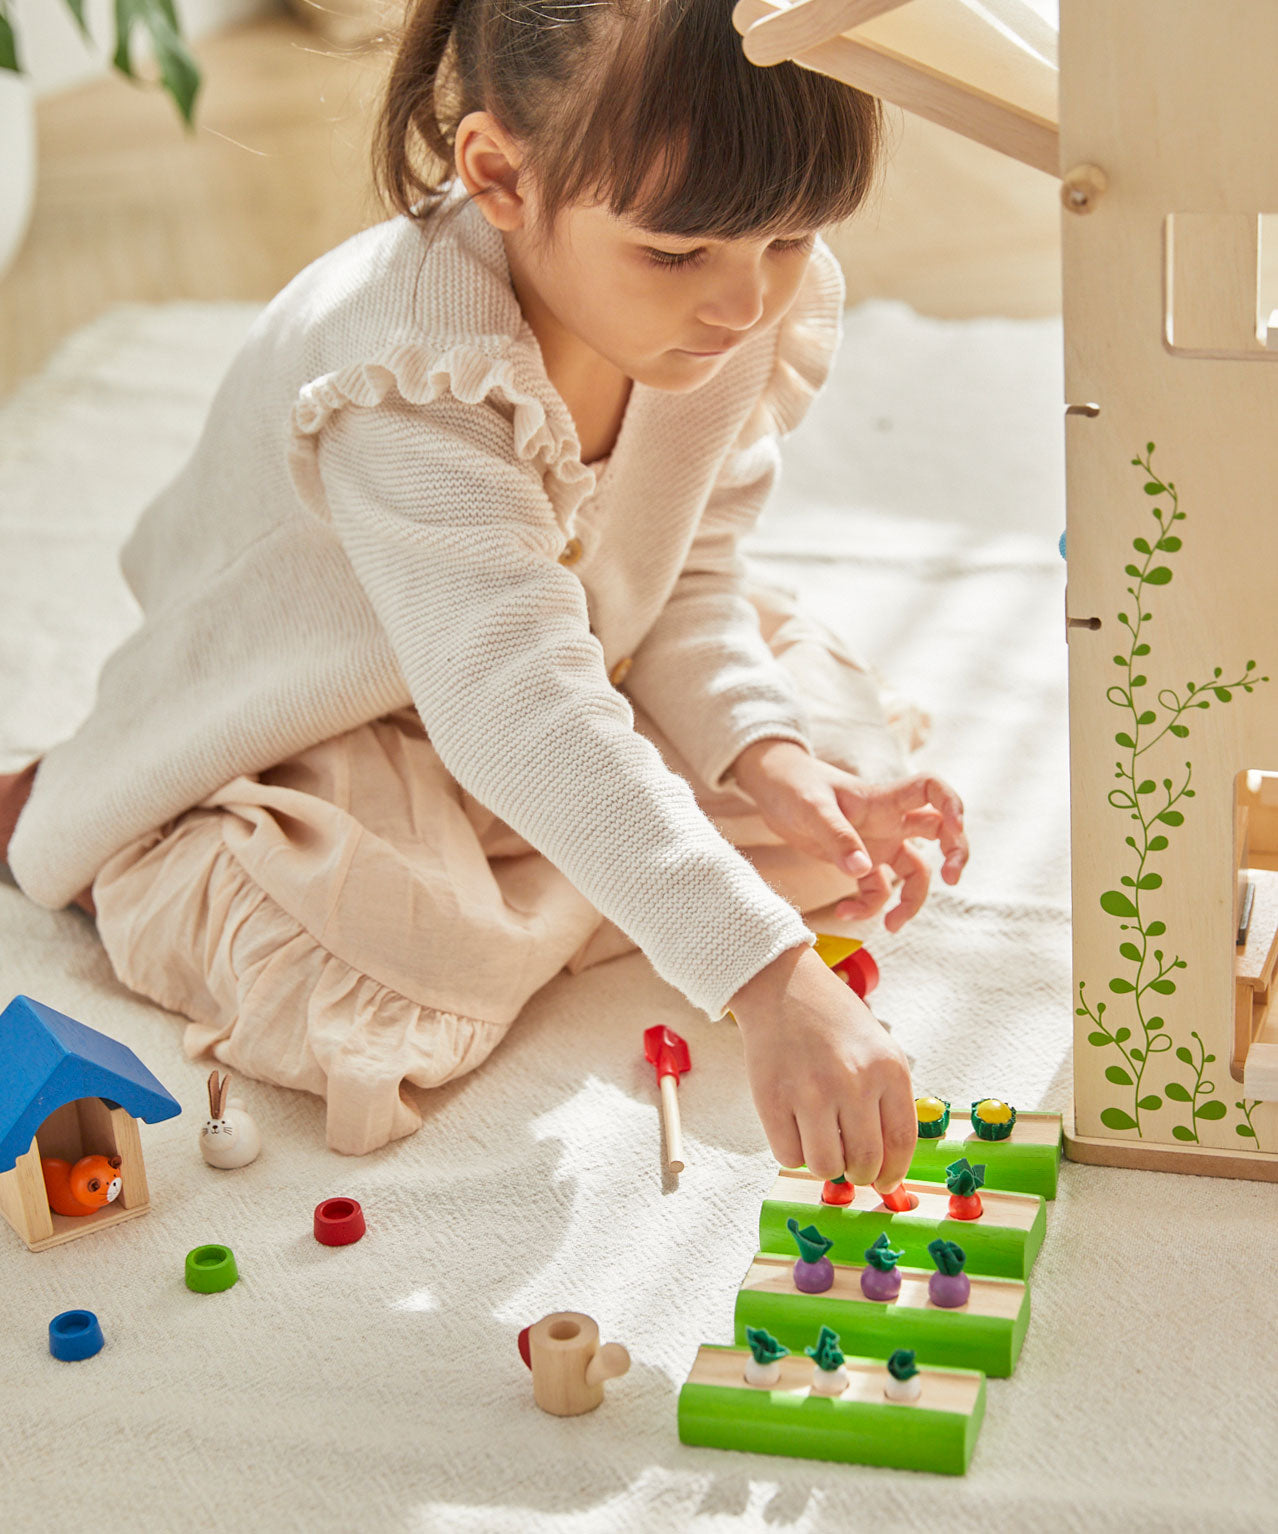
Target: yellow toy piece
x=992, y=1111
x=834, y=949
x=929, y=1109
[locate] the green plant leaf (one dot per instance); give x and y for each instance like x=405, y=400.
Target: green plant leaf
x=1224, y=694
x=1141, y=649
x=1160, y=575
x=1153, y=487
x=1122, y=1036
x=1155, y=929
x=1150, y=1104
x=1124, y=739
x=1141, y=546
x=1154, y=1022
x=1157, y=843
x=1169, y=545
x=1182, y=1133
x=1163, y=987
x=1136, y=1054
x=1184, y=1056
x=1150, y=882
x=1172, y=818
x=1115, y=1118
x=1245, y=1130
x=1121, y=987
x=1117, y=904
x=1133, y=571
x=1212, y=1110
x=8, y=46
x=1098, y=1039
x=1118, y=1076
x=1177, y=1093
x=178, y=73
x=1130, y=951
x=1180, y=730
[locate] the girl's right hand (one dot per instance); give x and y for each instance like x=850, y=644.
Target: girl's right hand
x=831, y=1087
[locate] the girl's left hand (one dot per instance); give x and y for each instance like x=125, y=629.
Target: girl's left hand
x=831, y=814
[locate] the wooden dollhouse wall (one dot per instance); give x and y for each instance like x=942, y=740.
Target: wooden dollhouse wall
x=1172, y=606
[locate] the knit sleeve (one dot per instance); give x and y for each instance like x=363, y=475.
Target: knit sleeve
x=451, y=531
x=703, y=671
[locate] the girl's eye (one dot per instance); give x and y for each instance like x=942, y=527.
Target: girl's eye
x=669, y=258
x=803, y=242
x=674, y=258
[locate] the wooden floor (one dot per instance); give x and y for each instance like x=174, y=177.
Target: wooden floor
x=131, y=208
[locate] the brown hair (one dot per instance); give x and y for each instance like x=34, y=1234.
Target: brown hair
x=647, y=105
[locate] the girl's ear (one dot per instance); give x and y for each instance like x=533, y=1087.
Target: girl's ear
x=488, y=162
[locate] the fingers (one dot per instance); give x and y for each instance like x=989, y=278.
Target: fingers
x=900, y=1131
x=873, y=893
x=823, y=1150
x=831, y=836
x=922, y=794
x=915, y=877
x=784, y=1140
x=862, y=1137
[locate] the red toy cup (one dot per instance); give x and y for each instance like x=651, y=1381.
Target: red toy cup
x=338, y=1222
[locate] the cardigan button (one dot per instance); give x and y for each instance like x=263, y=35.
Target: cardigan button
x=620, y=671
x=571, y=553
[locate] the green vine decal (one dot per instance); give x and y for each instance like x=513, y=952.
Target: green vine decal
x=1211, y=1108
x=1247, y=1129
x=1154, y=814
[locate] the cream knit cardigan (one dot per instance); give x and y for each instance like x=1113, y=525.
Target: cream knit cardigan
x=375, y=515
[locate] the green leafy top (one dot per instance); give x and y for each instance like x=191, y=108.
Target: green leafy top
x=811, y=1243
x=948, y=1256
x=881, y=1255
x=963, y=1179
x=764, y=1345
x=158, y=19
x=826, y=1354
x=901, y=1364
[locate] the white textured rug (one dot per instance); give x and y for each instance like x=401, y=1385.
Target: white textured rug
x=377, y=1387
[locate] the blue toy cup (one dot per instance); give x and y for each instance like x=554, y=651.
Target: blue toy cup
x=75, y=1334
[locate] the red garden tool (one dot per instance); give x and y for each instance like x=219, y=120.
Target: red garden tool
x=669, y=1053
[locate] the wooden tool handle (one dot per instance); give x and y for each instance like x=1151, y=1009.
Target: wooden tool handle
x=670, y=1118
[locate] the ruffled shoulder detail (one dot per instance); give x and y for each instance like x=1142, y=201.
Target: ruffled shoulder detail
x=807, y=342
x=507, y=374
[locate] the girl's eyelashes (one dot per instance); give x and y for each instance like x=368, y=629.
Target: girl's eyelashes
x=675, y=258
x=689, y=258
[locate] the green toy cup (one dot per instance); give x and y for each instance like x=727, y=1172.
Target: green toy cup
x=210, y=1269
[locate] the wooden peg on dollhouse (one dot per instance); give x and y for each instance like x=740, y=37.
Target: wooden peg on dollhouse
x=569, y=1366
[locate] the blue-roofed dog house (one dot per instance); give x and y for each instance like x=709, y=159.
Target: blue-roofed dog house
x=68, y=1091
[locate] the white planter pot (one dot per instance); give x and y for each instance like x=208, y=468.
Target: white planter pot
x=17, y=163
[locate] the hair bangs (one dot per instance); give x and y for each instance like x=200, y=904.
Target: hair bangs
x=683, y=135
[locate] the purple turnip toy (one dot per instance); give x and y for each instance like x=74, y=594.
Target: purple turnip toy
x=880, y=1280
x=814, y=1272
x=949, y=1286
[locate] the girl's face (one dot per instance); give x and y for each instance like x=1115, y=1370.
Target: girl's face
x=662, y=309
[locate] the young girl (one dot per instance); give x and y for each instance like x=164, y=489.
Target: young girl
x=450, y=673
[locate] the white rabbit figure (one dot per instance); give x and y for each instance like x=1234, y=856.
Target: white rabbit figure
x=230, y=1137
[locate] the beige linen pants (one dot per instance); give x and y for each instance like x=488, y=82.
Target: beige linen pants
x=352, y=920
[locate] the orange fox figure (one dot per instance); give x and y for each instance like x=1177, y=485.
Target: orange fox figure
x=80, y=1189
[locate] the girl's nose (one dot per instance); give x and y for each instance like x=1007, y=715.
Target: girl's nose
x=734, y=305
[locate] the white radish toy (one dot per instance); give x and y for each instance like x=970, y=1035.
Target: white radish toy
x=230, y=1137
